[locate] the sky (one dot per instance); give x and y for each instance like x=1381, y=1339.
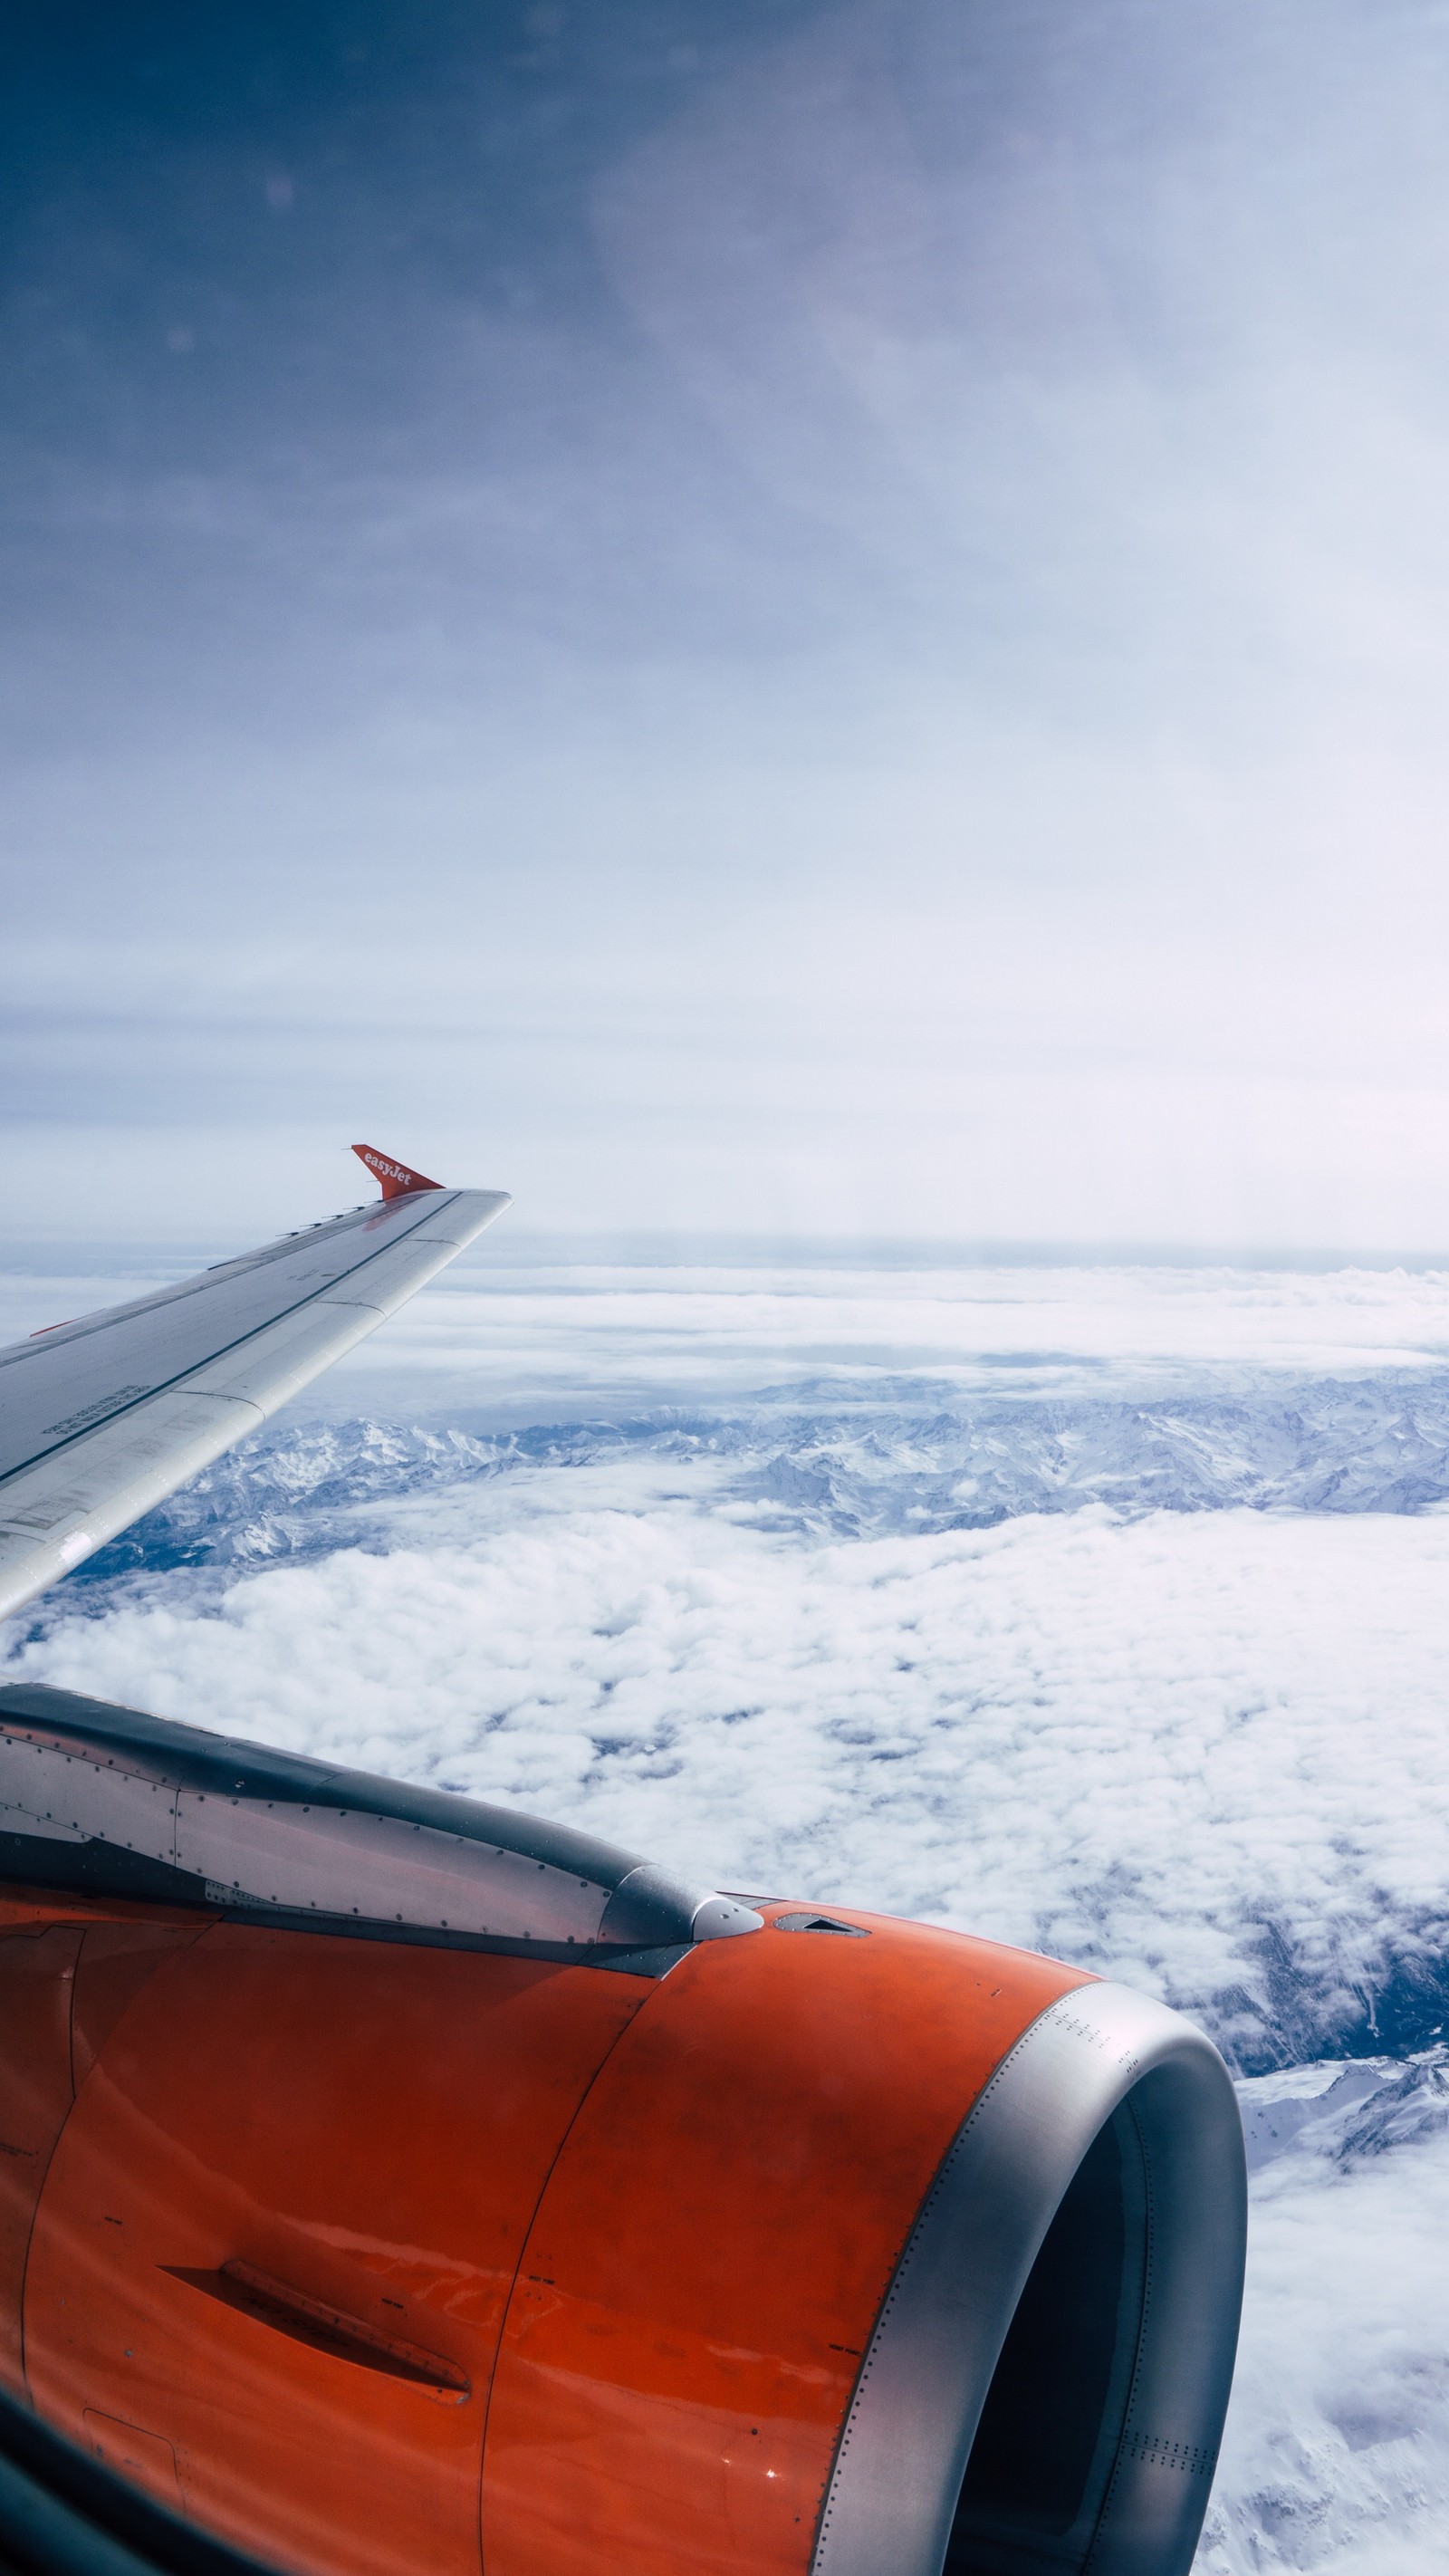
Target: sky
x=753, y=618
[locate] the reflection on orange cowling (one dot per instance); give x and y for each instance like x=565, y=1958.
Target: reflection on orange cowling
x=326, y=2212
x=37, y=1966
x=367, y=2126
x=706, y=2265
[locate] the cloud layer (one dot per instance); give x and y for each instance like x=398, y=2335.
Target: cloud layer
x=1336, y=2456
x=1205, y=1754
x=1192, y=1744
x=939, y=1593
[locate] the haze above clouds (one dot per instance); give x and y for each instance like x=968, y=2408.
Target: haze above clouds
x=786, y=618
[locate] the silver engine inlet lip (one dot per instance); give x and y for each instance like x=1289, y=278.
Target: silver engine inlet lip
x=1097, y=2052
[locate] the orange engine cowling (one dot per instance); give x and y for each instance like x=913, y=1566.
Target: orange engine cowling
x=792, y=2242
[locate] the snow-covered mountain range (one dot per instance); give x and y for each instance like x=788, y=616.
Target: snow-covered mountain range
x=1364, y=1444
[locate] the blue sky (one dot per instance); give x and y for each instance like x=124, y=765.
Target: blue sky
x=770, y=618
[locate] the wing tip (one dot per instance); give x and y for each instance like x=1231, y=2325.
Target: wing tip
x=395, y=1178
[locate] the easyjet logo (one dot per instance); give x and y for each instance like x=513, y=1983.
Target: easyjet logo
x=396, y=1178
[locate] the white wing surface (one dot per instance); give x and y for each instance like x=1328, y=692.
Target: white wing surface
x=102, y=1418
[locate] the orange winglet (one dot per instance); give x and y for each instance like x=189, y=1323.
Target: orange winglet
x=396, y=1179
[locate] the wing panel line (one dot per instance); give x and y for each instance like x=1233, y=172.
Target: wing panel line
x=167, y=1386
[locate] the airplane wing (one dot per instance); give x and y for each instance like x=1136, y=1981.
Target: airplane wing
x=100, y=1419
x=381, y=2168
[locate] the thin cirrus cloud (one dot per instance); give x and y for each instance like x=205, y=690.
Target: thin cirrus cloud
x=828, y=617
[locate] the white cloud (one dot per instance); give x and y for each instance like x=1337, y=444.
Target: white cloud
x=1205, y=1753
x=526, y=1322
x=520, y=1328
x=1336, y=2456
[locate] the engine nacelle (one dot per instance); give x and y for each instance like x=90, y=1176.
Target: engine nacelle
x=792, y=2244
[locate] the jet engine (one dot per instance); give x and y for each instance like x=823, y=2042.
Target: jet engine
x=388, y=2181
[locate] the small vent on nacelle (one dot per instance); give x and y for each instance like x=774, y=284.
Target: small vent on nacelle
x=819, y=1923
